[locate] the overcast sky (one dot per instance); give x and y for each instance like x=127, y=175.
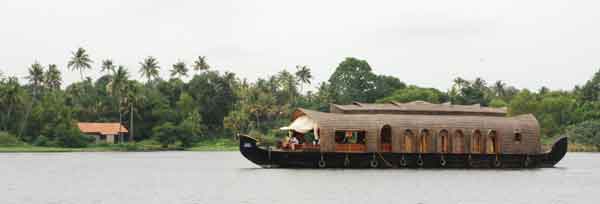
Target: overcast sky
x=428, y=43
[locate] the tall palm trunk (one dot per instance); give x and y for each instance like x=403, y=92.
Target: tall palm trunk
x=5, y=123
x=120, y=119
x=27, y=112
x=120, y=122
x=131, y=124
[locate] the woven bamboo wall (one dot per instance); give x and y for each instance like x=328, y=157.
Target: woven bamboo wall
x=504, y=127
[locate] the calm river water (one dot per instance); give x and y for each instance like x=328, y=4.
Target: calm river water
x=227, y=177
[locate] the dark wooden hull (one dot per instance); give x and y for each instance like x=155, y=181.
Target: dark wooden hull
x=267, y=158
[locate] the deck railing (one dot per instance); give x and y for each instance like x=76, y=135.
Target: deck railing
x=350, y=148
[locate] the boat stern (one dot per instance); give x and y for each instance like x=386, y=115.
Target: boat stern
x=558, y=151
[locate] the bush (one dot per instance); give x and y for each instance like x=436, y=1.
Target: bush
x=7, y=139
x=75, y=141
x=498, y=103
x=166, y=134
x=69, y=136
x=587, y=132
x=42, y=141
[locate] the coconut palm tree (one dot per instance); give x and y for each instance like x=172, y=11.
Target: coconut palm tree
x=288, y=83
x=303, y=75
x=201, y=64
x=459, y=83
x=179, y=70
x=499, y=88
x=11, y=96
x=116, y=87
x=36, y=78
x=107, y=66
x=80, y=61
x=52, y=79
x=133, y=96
x=149, y=68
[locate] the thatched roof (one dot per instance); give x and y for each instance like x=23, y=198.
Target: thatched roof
x=417, y=107
x=362, y=121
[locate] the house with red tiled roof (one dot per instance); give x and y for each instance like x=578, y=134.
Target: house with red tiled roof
x=105, y=132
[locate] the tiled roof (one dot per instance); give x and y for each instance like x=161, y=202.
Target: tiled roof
x=102, y=128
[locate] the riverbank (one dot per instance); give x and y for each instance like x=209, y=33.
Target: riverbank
x=144, y=146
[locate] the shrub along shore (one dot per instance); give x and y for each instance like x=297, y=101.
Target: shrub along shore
x=220, y=144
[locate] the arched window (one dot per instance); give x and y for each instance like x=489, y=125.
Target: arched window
x=458, y=142
x=476, y=142
x=443, y=141
x=408, y=141
x=492, y=142
x=424, y=138
x=518, y=137
x=386, y=138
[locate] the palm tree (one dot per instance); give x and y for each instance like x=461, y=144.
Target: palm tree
x=52, y=78
x=288, y=83
x=303, y=75
x=11, y=96
x=107, y=66
x=116, y=87
x=499, y=88
x=459, y=83
x=150, y=69
x=133, y=96
x=80, y=61
x=36, y=78
x=201, y=64
x=179, y=70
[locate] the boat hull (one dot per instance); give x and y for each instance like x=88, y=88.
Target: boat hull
x=269, y=158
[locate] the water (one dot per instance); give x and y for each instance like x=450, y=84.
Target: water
x=227, y=177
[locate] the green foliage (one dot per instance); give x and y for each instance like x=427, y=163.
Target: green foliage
x=43, y=141
x=414, y=93
x=7, y=140
x=465, y=92
x=68, y=136
x=386, y=85
x=80, y=61
x=149, y=68
x=214, y=96
x=587, y=132
x=498, y=103
x=588, y=111
x=165, y=134
x=591, y=90
x=190, y=129
x=523, y=103
x=352, y=80
x=554, y=110
x=179, y=69
x=214, y=106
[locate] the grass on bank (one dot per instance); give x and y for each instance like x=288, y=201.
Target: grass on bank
x=9, y=143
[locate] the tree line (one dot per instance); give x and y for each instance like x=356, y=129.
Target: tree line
x=213, y=104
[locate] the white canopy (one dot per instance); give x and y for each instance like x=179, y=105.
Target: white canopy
x=302, y=124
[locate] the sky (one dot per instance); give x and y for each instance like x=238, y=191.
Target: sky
x=528, y=44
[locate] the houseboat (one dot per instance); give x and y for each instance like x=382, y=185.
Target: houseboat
x=407, y=135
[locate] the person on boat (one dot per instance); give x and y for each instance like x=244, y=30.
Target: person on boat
x=293, y=142
x=285, y=143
